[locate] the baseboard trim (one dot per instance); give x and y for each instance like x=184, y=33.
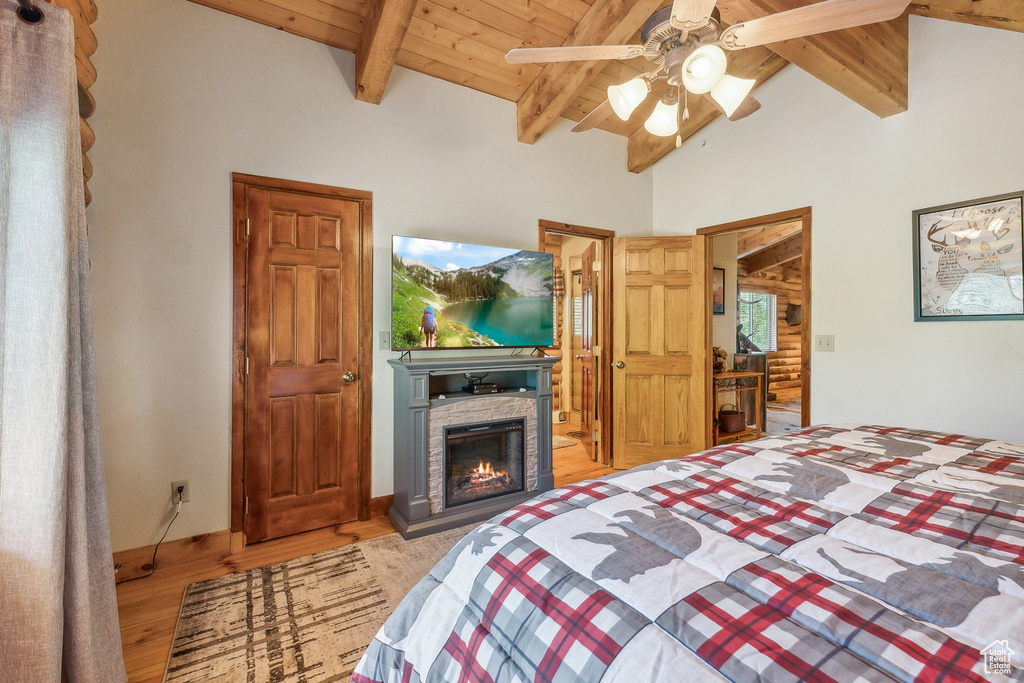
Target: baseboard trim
x=217, y=545
x=131, y=564
x=380, y=506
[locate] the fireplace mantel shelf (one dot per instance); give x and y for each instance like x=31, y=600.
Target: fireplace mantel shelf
x=417, y=384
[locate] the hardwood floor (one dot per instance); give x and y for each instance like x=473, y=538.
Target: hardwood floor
x=148, y=607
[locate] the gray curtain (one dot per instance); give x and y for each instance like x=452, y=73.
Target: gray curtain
x=58, y=608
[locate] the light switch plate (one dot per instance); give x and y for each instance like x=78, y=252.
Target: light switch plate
x=385, y=341
x=824, y=342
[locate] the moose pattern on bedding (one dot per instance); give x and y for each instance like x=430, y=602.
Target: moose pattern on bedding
x=837, y=553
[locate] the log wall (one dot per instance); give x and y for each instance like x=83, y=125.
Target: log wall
x=84, y=13
x=783, y=363
x=552, y=244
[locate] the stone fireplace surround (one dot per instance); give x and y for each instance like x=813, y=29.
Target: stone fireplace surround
x=429, y=397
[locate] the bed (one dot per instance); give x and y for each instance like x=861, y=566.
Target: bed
x=837, y=553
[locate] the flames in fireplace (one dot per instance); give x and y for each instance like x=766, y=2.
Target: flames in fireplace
x=483, y=480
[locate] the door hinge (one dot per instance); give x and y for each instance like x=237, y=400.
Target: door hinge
x=596, y=267
x=245, y=506
x=246, y=227
x=597, y=435
x=247, y=365
x=597, y=351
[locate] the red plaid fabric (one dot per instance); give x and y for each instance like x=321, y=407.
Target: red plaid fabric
x=897, y=644
x=765, y=519
x=925, y=436
x=810, y=606
x=552, y=620
x=955, y=519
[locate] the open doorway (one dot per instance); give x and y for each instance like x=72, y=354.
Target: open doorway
x=761, y=314
x=581, y=380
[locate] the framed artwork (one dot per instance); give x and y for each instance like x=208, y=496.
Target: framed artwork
x=969, y=260
x=718, y=291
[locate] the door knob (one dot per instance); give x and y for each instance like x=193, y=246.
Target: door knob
x=349, y=377
x=620, y=365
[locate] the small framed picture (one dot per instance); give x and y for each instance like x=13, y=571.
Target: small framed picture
x=718, y=291
x=968, y=260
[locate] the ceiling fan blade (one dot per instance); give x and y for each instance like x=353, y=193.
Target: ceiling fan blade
x=594, y=118
x=747, y=107
x=691, y=14
x=574, y=53
x=821, y=17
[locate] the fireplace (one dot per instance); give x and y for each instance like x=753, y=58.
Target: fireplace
x=461, y=457
x=483, y=461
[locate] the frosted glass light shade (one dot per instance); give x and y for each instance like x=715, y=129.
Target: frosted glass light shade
x=731, y=91
x=625, y=98
x=703, y=69
x=662, y=121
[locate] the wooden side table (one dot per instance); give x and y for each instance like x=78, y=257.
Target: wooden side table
x=727, y=383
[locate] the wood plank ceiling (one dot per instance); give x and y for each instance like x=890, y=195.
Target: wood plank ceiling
x=465, y=41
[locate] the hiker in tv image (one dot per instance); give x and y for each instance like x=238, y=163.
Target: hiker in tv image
x=428, y=326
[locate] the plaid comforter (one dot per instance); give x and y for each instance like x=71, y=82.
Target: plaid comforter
x=838, y=553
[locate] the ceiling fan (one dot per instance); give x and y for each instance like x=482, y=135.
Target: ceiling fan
x=686, y=44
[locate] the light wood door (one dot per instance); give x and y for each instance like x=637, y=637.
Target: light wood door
x=660, y=378
x=588, y=375
x=302, y=408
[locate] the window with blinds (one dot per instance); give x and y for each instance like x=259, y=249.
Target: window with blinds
x=758, y=316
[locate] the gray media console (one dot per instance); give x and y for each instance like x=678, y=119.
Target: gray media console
x=430, y=401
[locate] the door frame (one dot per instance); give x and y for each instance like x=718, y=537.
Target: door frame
x=607, y=240
x=240, y=182
x=804, y=216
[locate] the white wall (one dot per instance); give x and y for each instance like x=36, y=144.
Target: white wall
x=723, y=327
x=810, y=146
x=187, y=95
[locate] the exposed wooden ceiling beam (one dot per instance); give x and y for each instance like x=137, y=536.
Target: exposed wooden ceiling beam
x=383, y=31
x=868, y=64
x=645, y=149
x=559, y=84
x=1007, y=14
x=781, y=252
x=749, y=242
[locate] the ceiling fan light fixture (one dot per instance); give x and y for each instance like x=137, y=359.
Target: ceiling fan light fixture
x=731, y=91
x=663, y=120
x=625, y=98
x=703, y=69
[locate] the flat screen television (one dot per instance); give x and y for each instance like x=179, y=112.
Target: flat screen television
x=454, y=295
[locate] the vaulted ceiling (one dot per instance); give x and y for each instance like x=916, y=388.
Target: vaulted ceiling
x=465, y=41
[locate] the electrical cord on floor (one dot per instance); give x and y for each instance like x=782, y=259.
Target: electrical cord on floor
x=152, y=564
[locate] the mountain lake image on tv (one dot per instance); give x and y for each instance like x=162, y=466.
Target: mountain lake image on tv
x=454, y=295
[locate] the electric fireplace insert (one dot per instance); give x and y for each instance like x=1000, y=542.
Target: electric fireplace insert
x=483, y=461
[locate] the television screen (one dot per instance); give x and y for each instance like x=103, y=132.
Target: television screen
x=453, y=295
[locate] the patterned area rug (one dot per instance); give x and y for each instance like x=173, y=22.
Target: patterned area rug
x=308, y=619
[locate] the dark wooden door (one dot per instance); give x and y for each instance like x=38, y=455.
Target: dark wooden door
x=588, y=378
x=302, y=398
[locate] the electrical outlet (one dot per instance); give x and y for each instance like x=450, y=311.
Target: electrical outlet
x=825, y=342
x=385, y=341
x=184, y=493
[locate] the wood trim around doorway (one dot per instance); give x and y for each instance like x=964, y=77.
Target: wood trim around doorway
x=804, y=216
x=239, y=183
x=607, y=240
